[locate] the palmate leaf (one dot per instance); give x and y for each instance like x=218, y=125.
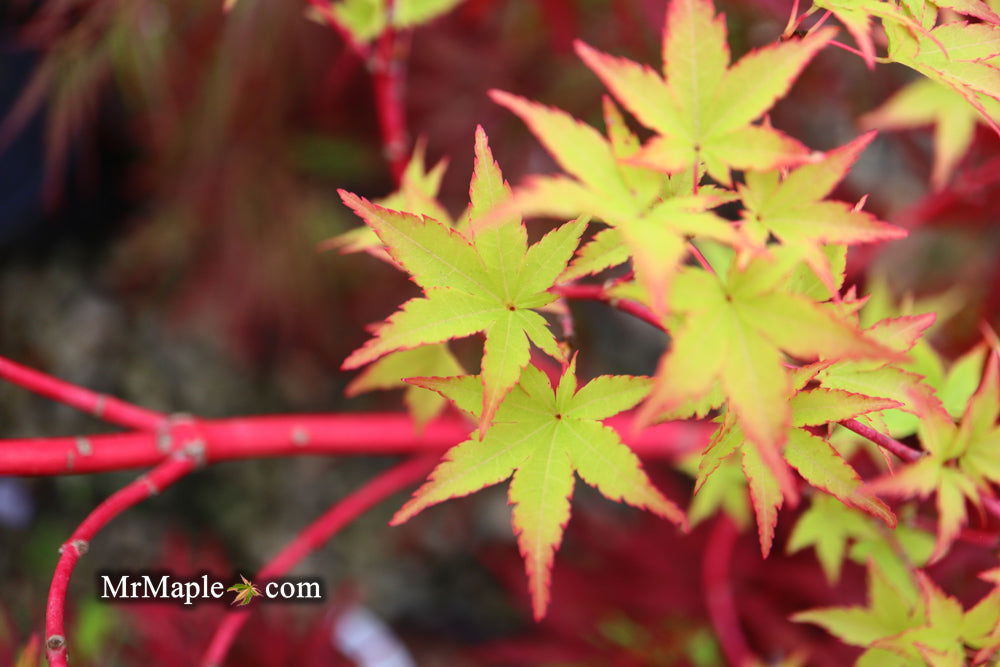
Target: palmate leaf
x=417, y=194
x=389, y=371
x=794, y=210
x=367, y=19
x=913, y=624
x=703, y=109
x=929, y=102
x=489, y=283
x=815, y=459
x=837, y=531
x=540, y=437
x=964, y=56
x=734, y=332
x=652, y=225
x=960, y=463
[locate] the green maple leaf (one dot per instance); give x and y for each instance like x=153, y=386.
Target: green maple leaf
x=837, y=531
x=539, y=438
x=417, y=194
x=245, y=591
x=960, y=461
x=815, y=459
x=929, y=102
x=961, y=55
x=724, y=490
x=913, y=624
x=733, y=334
x=649, y=220
x=704, y=108
x=389, y=373
x=857, y=15
x=795, y=211
x=489, y=282
x=367, y=19
x=892, y=609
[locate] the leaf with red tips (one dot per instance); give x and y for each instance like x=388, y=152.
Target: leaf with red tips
x=389, y=372
x=489, y=282
x=654, y=229
x=930, y=102
x=795, y=211
x=540, y=438
x=702, y=109
x=734, y=332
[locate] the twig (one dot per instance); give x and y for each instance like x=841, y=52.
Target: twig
x=389, y=80
x=297, y=435
x=152, y=483
x=599, y=293
x=106, y=408
x=316, y=535
x=719, y=591
x=904, y=452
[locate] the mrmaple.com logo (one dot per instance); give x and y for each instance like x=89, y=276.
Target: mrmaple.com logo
x=153, y=586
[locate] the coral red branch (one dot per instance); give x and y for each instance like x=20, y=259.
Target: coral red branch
x=719, y=591
x=107, y=408
x=316, y=535
x=389, y=80
x=164, y=475
x=599, y=293
x=296, y=435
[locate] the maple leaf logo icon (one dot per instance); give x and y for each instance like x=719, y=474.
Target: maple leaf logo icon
x=245, y=591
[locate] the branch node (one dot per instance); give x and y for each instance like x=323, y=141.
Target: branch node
x=153, y=489
x=84, y=447
x=99, y=405
x=55, y=642
x=195, y=450
x=80, y=546
x=300, y=436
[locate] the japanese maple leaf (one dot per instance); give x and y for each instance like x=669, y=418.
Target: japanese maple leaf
x=837, y=531
x=703, y=109
x=417, y=193
x=734, y=332
x=961, y=55
x=539, y=438
x=815, y=459
x=389, y=373
x=489, y=283
x=245, y=591
x=928, y=102
x=960, y=460
x=647, y=224
x=911, y=624
x=794, y=209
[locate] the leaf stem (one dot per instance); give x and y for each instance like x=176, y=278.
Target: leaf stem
x=106, y=408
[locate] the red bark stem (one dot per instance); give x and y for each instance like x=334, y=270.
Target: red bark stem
x=325, y=10
x=389, y=81
x=719, y=591
x=599, y=293
x=106, y=408
x=904, y=452
x=298, y=435
x=315, y=535
x=162, y=476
